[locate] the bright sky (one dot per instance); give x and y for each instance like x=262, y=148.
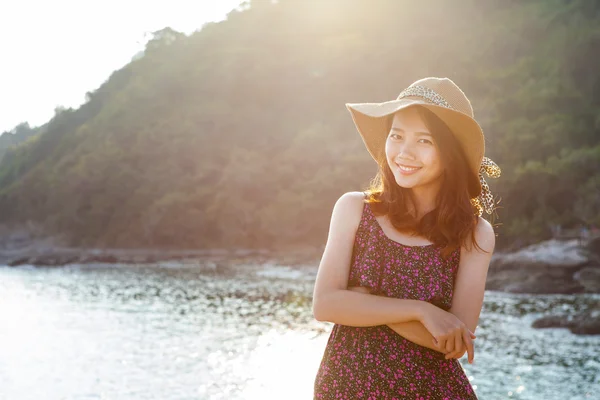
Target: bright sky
x=54, y=51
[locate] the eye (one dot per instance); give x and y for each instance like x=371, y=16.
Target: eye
x=395, y=134
x=426, y=141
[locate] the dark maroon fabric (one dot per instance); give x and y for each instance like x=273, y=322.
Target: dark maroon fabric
x=375, y=362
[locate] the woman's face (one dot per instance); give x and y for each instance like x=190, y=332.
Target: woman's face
x=412, y=153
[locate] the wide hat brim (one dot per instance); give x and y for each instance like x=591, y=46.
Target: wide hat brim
x=372, y=124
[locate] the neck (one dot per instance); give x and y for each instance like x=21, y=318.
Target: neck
x=423, y=201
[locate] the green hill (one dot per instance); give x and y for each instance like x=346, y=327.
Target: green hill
x=237, y=135
x=16, y=136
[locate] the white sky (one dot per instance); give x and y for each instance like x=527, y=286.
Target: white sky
x=54, y=51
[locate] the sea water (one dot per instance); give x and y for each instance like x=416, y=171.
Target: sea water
x=239, y=331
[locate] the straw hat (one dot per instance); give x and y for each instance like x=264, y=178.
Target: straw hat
x=446, y=100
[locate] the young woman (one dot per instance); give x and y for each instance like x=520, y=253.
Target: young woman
x=403, y=273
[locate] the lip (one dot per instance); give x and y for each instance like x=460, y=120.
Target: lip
x=407, y=172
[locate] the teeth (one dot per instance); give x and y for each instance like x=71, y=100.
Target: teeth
x=407, y=169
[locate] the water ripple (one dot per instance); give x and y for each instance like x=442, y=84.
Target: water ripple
x=231, y=331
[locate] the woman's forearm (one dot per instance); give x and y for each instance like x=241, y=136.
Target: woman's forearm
x=352, y=308
x=415, y=332
x=410, y=330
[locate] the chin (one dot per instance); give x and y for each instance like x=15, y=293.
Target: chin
x=410, y=182
x=403, y=186
x=405, y=183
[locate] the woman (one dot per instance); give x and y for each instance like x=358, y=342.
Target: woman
x=403, y=273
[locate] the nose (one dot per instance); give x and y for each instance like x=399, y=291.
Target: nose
x=405, y=151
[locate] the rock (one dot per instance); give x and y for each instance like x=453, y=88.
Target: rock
x=557, y=253
x=534, y=281
x=85, y=259
x=587, y=327
x=593, y=246
x=143, y=259
x=54, y=260
x=63, y=256
x=554, y=321
x=586, y=323
x=589, y=278
x=549, y=267
x=18, y=261
x=106, y=258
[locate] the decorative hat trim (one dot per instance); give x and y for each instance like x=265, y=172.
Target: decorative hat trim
x=485, y=201
x=430, y=95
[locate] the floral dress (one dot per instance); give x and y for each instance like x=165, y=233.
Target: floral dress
x=375, y=362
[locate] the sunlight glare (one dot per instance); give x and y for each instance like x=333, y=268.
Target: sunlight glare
x=55, y=52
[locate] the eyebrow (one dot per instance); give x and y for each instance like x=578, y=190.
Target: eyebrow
x=418, y=133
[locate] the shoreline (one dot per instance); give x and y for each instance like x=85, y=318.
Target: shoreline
x=56, y=256
x=551, y=267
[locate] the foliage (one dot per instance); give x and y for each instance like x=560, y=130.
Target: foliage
x=237, y=135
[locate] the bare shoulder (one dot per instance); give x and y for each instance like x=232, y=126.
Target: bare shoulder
x=334, y=267
x=353, y=197
x=485, y=235
x=349, y=208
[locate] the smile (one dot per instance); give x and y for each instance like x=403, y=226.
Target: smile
x=407, y=170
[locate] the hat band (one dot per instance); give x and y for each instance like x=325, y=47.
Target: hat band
x=430, y=95
x=485, y=201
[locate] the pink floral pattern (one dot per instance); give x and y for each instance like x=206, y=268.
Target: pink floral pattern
x=375, y=362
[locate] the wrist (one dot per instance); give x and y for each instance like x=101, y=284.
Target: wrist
x=421, y=310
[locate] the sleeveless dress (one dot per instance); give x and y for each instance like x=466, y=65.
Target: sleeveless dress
x=376, y=363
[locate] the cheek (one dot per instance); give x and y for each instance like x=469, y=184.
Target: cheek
x=433, y=158
x=388, y=146
x=389, y=150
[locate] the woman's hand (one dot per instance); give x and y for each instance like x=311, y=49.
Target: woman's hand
x=450, y=335
x=457, y=353
x=458, y=350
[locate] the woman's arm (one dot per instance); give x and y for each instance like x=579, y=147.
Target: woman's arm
x=332, y=301
x=410, y=330
x=469, y=285
x=416, y=332
x=469, y=288
x=346, y=307
x=468, y=294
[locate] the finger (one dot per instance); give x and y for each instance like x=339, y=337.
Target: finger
x=458, y=351
x=458, y=342
x=449, y=345
x=440, y=343
x=457, y=354
x=472, y=335
x=459, y=348
x=469, y=344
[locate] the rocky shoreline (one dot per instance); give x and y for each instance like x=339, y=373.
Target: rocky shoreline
x=586, y=323
x=56, y=257
x=550, y=267
x=20, y=249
